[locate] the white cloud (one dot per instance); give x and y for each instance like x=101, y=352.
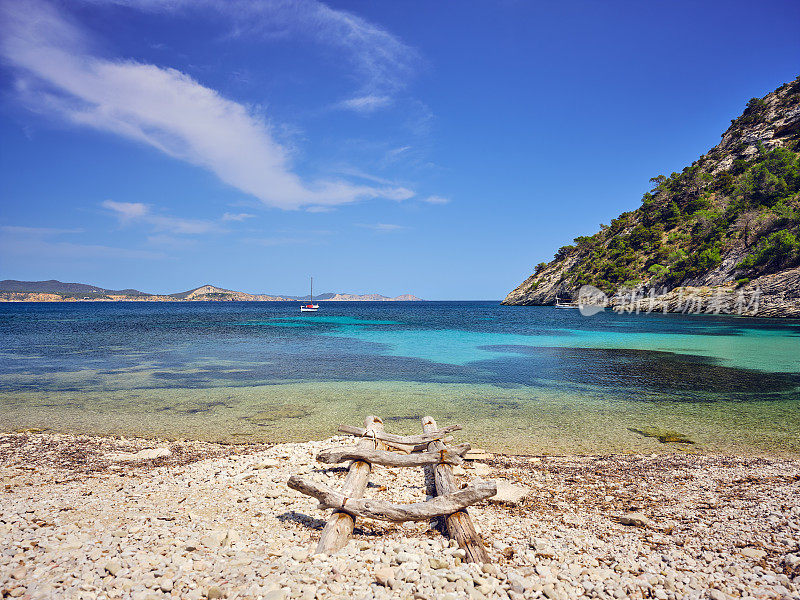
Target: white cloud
x=127, y=210
x=36, y=231
x=395, y=152
x=436, y=200
x=365, y=104
x=382, y=62
x=280, y=241
x=136, y=211
x=384, y=227
x=163, y=108
x=236, y=216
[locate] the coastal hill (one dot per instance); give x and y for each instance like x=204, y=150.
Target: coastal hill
x=52, y=286
x=372, y=298
x=52, y=290
x=211, y=292
x=728, y=224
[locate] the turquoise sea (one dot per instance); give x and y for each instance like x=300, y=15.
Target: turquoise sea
x=523, y=379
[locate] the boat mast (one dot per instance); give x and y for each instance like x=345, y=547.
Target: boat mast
x=312, y=291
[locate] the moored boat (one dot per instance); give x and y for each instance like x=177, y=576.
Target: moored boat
x=310, y=307
x=560, y=304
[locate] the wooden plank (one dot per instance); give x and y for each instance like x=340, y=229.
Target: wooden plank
x=388, y=511
x=340, y=526
x=459, y=525
x=410, y=440
x=393, y=459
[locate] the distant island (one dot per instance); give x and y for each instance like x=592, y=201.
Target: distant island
x=727, y=226
x=53, y=290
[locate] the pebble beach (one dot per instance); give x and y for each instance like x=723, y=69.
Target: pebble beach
x=98, y=517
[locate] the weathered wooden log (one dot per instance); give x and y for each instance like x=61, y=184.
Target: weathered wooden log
x=408, y=448
x=407, y=440
x=388, y=511
x=340, y=526
x=450, y=456
x=459, y=525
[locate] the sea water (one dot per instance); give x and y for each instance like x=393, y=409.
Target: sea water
x=522, y=379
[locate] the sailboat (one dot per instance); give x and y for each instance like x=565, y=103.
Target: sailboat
x=310, y=307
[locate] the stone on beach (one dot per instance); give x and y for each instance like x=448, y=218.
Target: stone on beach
x=755, y=553
x=214, y=592
x=509, y=493
x=478, y=454
x=384, y=576
x=146, y=454
x=636, y=519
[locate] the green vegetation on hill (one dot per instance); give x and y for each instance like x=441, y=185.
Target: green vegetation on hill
x=744, y=209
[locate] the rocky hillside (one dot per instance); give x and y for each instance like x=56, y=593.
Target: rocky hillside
x=208, y=292
x=729, y=224
x=53, y=286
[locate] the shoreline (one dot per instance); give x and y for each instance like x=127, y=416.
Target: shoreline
x=110, y=517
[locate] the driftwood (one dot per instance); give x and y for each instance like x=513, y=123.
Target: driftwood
x=451, y=456
x=387, y=511
x=459, y=525
x=340, y=526
x=408, y=443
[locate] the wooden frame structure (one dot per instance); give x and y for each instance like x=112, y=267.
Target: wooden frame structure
x=428, y=450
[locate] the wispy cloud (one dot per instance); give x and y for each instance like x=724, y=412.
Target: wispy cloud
x=383, y=227
x=128, y=212
x=280, y=241
x=37, y=231
x=382, y=62
x=237, y=216
x=164, y=108
x=43, y=242
x=394, y=153
x=365, y=104
x=170, y=241
x=436, y=200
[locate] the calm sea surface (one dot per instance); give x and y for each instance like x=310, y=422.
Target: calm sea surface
x=528, y=379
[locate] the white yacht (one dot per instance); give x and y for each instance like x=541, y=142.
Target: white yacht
x=310, y=307
x=560, y=304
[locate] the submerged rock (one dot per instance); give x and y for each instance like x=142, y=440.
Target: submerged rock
x=665, y=436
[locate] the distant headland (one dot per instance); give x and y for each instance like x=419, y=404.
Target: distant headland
x=52, y=290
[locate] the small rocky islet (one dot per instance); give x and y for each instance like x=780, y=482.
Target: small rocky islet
x=97, y=517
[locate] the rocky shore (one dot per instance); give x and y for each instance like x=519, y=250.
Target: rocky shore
x=90, y=518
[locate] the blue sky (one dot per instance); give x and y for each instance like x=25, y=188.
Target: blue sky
x=437, y=148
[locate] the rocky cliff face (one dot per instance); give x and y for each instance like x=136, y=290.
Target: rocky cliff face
x=729, y=224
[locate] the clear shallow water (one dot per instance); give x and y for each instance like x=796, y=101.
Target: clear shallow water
x=526, y=379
